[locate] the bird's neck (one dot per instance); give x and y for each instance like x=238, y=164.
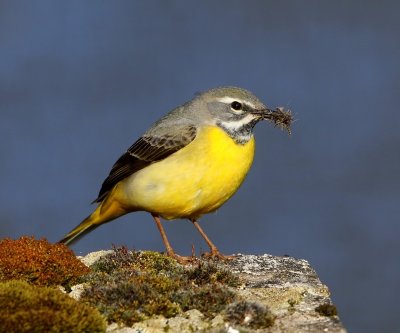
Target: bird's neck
x=241, y=132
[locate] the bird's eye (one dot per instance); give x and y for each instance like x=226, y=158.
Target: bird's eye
x=236, y=105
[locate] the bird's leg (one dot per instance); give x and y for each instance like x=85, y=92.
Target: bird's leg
x=170, y=250
x=214, y=252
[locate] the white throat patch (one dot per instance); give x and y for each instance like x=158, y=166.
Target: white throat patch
x=240, y=130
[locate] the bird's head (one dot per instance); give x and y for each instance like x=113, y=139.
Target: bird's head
x=237, y=111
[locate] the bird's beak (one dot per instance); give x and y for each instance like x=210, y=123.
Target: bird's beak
x=265, y=114
x=280, y=117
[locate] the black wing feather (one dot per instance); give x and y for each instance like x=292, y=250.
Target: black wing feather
x=146, y=150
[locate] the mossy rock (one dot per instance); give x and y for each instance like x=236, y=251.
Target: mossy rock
x=121, y=258
x=39, y=262
x=249, y=314
x=131, y=286
x=327, y=309
x=27, y=308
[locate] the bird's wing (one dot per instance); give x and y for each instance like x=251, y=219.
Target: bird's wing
x=146, y=150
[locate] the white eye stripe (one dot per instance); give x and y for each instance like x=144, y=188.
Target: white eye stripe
x=229, y=100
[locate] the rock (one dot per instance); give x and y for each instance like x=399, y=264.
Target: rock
x=291, y=289
x=189, y=322
x=92, y=257
x=115, y=328
x=286, y=289
x=77, y=290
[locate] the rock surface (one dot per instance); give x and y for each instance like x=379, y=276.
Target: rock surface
x=288, y=287
x=292, y=291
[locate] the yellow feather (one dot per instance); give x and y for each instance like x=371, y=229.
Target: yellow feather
x=196, y=180
x=108, y=210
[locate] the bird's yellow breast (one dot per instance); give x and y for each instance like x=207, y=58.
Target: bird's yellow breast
x=195, y=180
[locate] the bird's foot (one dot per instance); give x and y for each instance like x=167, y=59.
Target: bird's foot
x=215, y=254
x=183, y=260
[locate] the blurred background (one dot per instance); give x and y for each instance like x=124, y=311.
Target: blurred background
x=81, y=80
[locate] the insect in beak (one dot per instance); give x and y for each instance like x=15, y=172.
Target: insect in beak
x=280, y=117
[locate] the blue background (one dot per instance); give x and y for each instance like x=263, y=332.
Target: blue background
x=81, y=80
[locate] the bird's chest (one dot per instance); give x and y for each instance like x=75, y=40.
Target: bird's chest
x=198, y=178
x=223, y=164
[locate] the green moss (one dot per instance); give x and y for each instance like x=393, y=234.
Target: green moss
x=130, y=296
x=27, y=308
x=249, y=314
x=157, y=263
x=39, y=262
x=128, y=286
x=121, y=258
x=210, y=299
x=327, y=309
x=210, y=272
x=118, y=259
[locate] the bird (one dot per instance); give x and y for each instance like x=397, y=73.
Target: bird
x=188, y=164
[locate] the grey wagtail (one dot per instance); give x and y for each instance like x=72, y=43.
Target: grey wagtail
x=187, y=164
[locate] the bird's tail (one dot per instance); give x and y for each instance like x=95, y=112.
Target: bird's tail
x=108, y=210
